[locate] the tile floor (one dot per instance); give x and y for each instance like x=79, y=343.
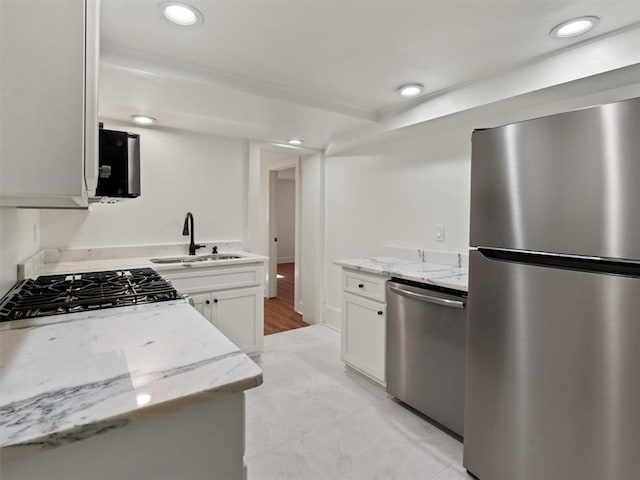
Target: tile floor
x=314, y=420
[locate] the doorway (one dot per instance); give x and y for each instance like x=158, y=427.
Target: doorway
x=284, y=217
x=280, y=313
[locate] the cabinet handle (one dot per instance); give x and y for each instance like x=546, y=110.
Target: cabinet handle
x=380, y=312
x=215, y=300
x=207, y=302
x=360, y=285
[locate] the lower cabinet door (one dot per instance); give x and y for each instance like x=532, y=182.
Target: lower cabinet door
x=202, y=303
x=363, y=335
x=239, y=315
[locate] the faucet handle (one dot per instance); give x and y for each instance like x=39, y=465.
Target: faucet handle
x=197, y=247
x=214, y=250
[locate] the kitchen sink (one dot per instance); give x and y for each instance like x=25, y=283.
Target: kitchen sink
x=194, y=258
x=167, y=260
x=215, y=256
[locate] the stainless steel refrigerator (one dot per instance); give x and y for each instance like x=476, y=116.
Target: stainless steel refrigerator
x=553, y=336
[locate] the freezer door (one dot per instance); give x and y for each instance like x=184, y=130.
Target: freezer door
x=553, y=373
x=561, y=184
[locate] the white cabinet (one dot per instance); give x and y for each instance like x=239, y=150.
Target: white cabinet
x=201, y=304
x=363, y=335
x=364, y=314
x=230, y=297
x=234, y=313
x=365, y=284
x=48, y=93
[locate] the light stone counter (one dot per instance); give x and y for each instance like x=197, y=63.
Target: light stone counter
x=54, y=261
x=445, y=276
x=66, y=378
x=81, y=266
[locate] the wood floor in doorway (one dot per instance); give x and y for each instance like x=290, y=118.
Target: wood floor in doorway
x=279, y=315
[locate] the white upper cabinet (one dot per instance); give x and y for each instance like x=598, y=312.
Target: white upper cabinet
x=48, y=102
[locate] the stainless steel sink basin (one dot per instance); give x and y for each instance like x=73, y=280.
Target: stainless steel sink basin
x=215, y=256
x=167, y=260
x=195, y=258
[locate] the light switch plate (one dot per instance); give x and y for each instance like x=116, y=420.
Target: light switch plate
x=439, y=233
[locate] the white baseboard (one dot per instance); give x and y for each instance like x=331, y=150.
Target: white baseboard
x=286, y=259
x=333, y=317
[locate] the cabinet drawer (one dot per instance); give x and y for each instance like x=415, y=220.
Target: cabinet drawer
x=217, y=278
x=367, y=285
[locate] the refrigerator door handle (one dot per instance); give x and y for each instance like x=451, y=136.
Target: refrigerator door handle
x=427, y=298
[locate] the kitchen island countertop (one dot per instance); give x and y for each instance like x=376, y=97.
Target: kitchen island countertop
x=68, y=377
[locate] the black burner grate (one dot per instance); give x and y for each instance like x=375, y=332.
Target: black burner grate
x=58, y=294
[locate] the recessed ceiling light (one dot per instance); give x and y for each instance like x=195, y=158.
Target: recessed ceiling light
x=143, y=120
x=295, y=141
x=180, y=13
x=574, y=27
x=410, y=90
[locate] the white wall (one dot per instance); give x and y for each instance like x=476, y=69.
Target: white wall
x=286, y=211
x=396, y=199
x=312, y=259
x=419, y=177
x=19, y=239
x=181, y=171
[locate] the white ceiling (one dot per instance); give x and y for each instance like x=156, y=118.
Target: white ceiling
x=214, y=108
x=275, y=69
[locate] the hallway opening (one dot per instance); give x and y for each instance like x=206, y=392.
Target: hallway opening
x=279, y=315
x=280, y=305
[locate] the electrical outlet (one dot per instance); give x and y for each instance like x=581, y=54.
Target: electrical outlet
x=439, y=233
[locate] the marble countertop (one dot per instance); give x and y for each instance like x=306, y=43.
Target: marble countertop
x=96, y=265
x=445, y=276
x=67, y=377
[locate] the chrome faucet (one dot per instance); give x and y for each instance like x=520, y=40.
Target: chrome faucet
x=186, y=231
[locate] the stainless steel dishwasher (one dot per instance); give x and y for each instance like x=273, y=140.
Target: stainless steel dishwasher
x=426, y=342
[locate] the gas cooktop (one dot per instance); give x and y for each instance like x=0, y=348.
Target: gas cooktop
x=58, y=294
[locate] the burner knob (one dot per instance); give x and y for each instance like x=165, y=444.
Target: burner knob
x=207, y=302
x=215, y=300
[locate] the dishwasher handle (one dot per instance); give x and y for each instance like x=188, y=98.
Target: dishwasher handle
x=428, y=298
